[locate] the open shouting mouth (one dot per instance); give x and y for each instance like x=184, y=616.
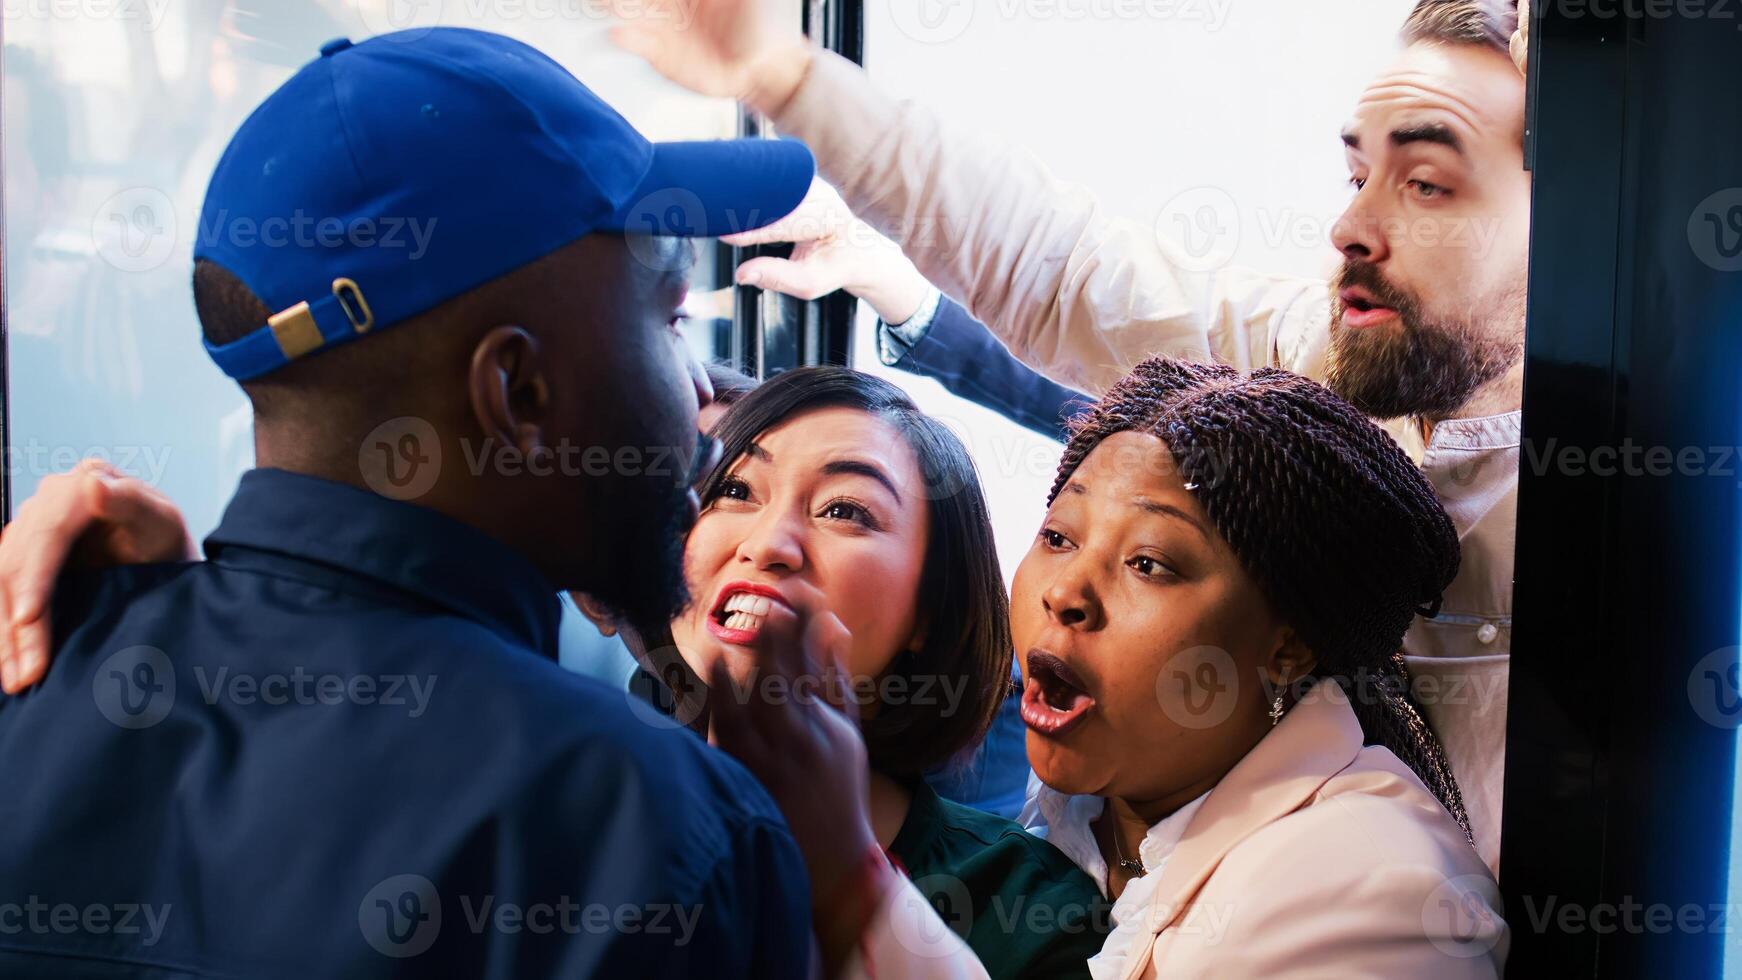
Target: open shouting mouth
x=1055, y=700
x=1362, y=309
x=741, y=609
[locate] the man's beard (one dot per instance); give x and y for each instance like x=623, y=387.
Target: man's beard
x=642, y=534
x=1433, y=367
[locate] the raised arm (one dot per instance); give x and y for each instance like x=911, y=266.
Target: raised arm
x=1073, y=292
x=962, y=355
x=921, y=330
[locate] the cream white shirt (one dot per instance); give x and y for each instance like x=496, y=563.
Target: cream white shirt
x=1066, y=821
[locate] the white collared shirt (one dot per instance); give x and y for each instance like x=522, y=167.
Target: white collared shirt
x=1066, y=821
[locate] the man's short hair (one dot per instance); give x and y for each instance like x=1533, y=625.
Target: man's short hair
x=1489, y=23
x=227, y=308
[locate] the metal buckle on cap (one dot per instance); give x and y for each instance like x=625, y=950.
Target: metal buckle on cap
x=350, y=297
x=295, y=331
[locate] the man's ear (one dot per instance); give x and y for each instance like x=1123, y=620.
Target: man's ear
x=1291, y=660
x=510, y=393
x=596, y=612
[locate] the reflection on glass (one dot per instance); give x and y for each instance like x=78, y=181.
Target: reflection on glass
x=112, y=125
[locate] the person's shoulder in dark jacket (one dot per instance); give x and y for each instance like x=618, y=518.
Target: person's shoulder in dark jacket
x=478, y=811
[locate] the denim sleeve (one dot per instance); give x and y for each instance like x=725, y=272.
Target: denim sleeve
x=962, y=354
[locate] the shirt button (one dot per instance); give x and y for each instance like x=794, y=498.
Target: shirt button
x=1487, y=633
x=334, y=46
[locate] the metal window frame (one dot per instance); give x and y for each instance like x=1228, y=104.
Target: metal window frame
x=773, y=333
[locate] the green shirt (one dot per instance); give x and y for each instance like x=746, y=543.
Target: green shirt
x=1021, y=905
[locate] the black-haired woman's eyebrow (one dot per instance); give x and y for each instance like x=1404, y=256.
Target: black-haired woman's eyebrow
x=859, y=467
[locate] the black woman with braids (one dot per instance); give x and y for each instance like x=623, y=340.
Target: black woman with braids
x=1248, y=551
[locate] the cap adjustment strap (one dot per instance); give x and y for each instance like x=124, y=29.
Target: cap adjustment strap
x=356, y=308
x=297, y=331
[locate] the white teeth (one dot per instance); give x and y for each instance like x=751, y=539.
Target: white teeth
x=745, y=611
x=742, y=621
x=744, y=602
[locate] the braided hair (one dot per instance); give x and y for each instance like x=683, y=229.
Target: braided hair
x=1342, y=533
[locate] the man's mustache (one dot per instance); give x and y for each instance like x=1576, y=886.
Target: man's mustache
x=1367, y=276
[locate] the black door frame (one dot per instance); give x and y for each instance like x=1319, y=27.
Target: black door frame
x=1620, y=765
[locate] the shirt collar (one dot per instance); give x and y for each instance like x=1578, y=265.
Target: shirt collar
x=413, y=549
x=1504, y=431
x=1068, y=819
x=1165, y=836
x=1064, y=822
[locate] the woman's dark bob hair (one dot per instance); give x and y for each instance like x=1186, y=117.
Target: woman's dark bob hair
x=963, y=610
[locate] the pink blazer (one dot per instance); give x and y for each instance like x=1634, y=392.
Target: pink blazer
x=1318, y=857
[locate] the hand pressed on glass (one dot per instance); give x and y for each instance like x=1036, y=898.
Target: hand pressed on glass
x=92, y=516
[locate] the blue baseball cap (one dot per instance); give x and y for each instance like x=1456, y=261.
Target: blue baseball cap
x=388, y=177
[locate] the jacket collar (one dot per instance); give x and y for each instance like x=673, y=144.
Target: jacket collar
x=1317, y=739
x=337, y=533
